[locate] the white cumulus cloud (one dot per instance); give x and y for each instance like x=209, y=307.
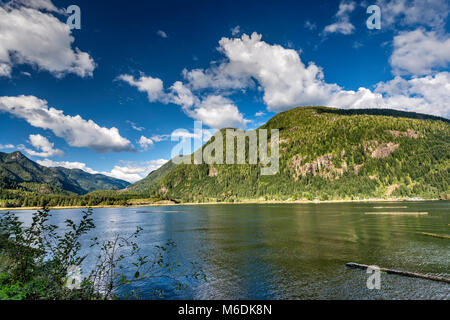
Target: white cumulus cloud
x=67, y=164
x=7, y=146
x=214, y=110
x=37, y=4
x=152, y=86
x=31, y=36
x=287, y=82
x=47, y=148
x=342, y=24
x=145, y=142
x=77, y=131
x=419, y=52
x=429, y=94
x=279, y=71
x=429, y=13
x=130, y=172
x=218, y=112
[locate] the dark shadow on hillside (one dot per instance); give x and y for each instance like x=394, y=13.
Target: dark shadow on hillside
x=382, y=112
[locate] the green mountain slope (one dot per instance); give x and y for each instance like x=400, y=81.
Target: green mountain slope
x=152, y=179
x=19, y=172
x=327, y=153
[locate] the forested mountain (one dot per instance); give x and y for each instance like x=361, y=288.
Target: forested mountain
x=326, y=153
x=152, y=179
x=17, y=172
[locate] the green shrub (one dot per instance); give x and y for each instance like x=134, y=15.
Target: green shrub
x=38, y=259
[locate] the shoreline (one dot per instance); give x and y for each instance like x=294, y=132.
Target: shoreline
x=162, y=204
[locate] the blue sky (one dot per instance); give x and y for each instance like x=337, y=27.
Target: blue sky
x=107, y=97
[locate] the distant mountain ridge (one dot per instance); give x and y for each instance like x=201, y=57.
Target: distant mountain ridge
x=326, y=153
x=19, y=172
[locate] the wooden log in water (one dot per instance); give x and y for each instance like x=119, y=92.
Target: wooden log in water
x=398, y=213
x=442, y=236
x=405, y=207
x=399, y=272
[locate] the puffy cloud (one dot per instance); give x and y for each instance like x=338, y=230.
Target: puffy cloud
x=67, y=164
x=342, y=24
x=162, y=34
x=145, y=142
x=429, y=94
x=75, y=130
x=181, y=95
x=223, y=77
x=5, y=70
x=350, y=99
x=419, y=52
x=430, y=13
x=218, y=112
x=280, y=72
x=30, y=36
x=286, y=82
x=152, y=86
x=130, y=172
x=343, y=27
x=7, y=146
x=214, y=110
x=133, y=172
x=46, y=147
x=37, y=4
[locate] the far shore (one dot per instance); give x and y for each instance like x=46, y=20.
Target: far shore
x=170, y=203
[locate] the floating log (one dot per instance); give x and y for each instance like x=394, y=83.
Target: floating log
x=399, y=272
x=442, y=236
x=398, y=213
x=158, y=211
x=390, y=207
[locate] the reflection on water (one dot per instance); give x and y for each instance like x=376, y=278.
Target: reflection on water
x=290, y=251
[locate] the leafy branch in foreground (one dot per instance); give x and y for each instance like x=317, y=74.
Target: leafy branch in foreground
x=35, y=260
x=121, y=263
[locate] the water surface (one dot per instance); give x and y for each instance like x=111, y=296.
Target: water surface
x=289, y=251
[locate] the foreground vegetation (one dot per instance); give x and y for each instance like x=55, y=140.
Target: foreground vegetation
x=38, y=262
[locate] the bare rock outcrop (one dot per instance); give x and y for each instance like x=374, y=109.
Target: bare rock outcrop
x=322, y=166
x=408, y=133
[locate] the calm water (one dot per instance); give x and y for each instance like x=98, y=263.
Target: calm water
x=290, y=251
